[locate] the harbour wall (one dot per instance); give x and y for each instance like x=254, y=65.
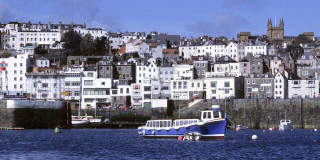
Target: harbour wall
x=254, y=113
x=31, y=114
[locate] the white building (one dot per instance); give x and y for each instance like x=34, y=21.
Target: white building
x=206, y=49
x=46, y=85
x=72, y=85
x=280, y=86
x=95, y=91
x=146, y=70
x=45, y=34
x=257, y=48
x=303, y=88
x=231, y=50
x=183, y=71
x=142, y=93
x=222, y=87
x=115, y=40
x=43, y=62
x=136, y=45
x=13, y=79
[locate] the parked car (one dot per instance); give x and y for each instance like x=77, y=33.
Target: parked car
x=122, y=107
x=110, y=107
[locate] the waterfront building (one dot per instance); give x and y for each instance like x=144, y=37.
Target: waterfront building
x=223, y=87
x=142, y=93
x=96, y=92
x=259, y=86
x=303, y=88
x=73, y=75
x=280, y=86
x=121, y=93
x=45, y=84
x=13, y=78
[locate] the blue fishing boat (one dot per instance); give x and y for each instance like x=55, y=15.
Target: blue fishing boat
x=212, y=125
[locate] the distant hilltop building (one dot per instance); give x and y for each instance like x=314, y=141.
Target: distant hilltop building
x=21, y=34
x=275, y=35
x=275, y=32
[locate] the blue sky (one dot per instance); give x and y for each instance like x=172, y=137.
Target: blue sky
x=184, y=17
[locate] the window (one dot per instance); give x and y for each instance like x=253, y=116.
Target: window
x=21, y=86
x=15, y=78
x=121, y=90
x=226, y=91
x=21, y=64
x=45, y=85
x=226, y=84
x=90, y=74
x=88, y=82
x=21, y=78
x=15, y=64
x=128, y=90
x=192, y=84
x=15, y=86
x=213, y=84
x=213, y=91
x=103, y=83
x=184, y=85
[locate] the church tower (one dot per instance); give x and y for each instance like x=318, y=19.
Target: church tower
x=275, y=32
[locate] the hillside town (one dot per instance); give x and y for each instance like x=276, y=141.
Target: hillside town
x=94, y=68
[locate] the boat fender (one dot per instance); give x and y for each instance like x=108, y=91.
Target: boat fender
x=144, y=132
x=153, y=132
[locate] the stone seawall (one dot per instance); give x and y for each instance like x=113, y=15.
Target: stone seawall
x=31, y=114
x=254, y=113
x=257, y=113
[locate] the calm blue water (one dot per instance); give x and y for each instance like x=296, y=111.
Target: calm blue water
x=126, y=144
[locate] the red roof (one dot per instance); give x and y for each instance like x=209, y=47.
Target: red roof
x=3, y=62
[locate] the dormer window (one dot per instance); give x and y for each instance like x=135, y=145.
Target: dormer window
x=303, y=57
x=226, y=58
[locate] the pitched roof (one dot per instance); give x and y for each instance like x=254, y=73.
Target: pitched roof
x=122, y=50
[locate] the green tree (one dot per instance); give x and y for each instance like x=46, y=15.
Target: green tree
x=301, y=39
x=40, y=50
x=101, y=44
x=158, y=62
x=29, y=44
x=72, y=41
x=124, y=56
x=135, y=55
x=87, y=45
x=5, y=54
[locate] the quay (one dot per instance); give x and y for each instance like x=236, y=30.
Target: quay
x=11, y=128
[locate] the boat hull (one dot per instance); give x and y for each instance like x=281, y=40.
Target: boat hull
x=208, y=130
x=285, y=127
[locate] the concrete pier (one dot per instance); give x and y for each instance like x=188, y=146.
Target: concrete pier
x=30, y=114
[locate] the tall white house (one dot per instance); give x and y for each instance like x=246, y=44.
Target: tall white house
x=13, y=78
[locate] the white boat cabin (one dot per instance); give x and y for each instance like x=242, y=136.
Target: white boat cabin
x=211, y=115
x=285, y=121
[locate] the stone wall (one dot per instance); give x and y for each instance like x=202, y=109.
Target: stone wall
x=258, y=113
x=254, y=113
x=32, y=114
